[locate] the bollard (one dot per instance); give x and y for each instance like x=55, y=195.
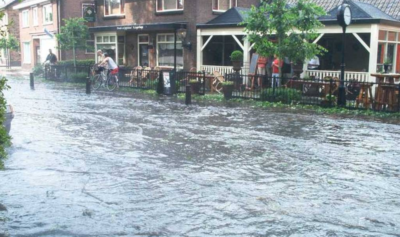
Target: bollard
x=188, y=98
x=32, y=81
x=88, y=86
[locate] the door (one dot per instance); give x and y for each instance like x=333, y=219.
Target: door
x=37, y=52
x=144, y=55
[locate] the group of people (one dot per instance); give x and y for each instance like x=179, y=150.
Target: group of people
x=269, y=66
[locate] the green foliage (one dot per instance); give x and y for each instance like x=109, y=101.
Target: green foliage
x=387, y=61
x=237, y=55
x=79, y=77
x=284, y=95
x=10, y=43
x=38, y=70
x=151, y=83
x=227, y=83
x=270, y=27
x=193, y=81
x=4, y=138
x=86, y=62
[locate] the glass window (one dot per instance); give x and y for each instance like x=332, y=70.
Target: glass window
x=25, y=18
x=110, y=49
x=381, y=53
x=90, y=46
x=143, y=39
x=165, y=50
x=113, y=7
x=47, y=14
x=106, y=39
x=169, y=5
x=112, y=39
x=27, y=52
x=35, y=16
x=223, y=5
x=390, y=53
x=99, y=39
x=121, y=53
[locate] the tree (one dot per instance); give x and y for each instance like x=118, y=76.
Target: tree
x=9, y=43
x=276, y=28
x=73, y=35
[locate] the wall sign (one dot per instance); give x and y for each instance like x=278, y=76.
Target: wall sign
x=89, y=12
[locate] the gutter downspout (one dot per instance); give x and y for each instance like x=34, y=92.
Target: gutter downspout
x=59, y=26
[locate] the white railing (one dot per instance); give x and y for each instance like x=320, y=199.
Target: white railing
x=221, y=69
x=359, y=76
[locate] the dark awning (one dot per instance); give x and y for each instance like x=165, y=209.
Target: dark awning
x=140, y=27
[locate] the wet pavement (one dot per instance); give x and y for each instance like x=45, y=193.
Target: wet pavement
x=104, y=165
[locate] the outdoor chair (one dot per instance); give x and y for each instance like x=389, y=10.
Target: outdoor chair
x=135, y=75
x=217, y=82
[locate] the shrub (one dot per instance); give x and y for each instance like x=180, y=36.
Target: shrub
x=85, y=62
x=38, y=70
x=4, y=138
x=227, y=83
x=80, y=77
x=237, y=56
x=284, y=95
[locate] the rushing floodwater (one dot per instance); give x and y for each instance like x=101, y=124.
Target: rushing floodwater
x=100, y=165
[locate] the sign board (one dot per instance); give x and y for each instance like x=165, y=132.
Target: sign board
x=253, y=64
x=89, y=12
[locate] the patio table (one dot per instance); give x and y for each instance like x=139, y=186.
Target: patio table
x=324, y=86
x=385, y=92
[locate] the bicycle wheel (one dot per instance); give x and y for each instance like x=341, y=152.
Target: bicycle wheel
x=96, y=81
x=111, y=83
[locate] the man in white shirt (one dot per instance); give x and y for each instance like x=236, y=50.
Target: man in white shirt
x=313, y=64
x=111, y=65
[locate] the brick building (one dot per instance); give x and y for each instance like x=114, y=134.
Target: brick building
x=11, y=19
x=143, y=32
x=40, y=21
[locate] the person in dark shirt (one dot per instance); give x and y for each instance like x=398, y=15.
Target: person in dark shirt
x=51, y=58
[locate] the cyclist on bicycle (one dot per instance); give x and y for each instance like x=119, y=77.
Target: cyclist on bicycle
x=111, y=65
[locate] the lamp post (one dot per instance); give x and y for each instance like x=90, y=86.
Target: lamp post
x=344, y=18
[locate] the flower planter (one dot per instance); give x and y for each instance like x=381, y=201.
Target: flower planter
x=195, y=88
x=387, y=67
x=227, y=90
x=237, y=65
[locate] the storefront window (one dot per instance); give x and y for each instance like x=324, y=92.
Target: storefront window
x=121, y=49
x=107, y=44
x=165, y=51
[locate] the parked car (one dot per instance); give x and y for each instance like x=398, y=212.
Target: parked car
x=9, y=118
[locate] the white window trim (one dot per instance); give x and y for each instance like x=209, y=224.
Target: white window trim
x=230, y=6
x=35, y=16
x=44, y=16
x=27, y=21
x=30, y=52
x=112, y=15
x=177, y=42
x=139, y=43
x=171, y=10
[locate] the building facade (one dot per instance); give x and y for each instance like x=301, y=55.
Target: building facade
x=10, y=19
x=39, y=22
x=143, y=33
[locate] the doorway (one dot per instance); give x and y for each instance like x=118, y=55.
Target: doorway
x=143, y=50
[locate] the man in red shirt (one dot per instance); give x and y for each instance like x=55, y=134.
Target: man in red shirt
x=276, y=64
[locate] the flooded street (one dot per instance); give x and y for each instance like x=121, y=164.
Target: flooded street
x=104, y=165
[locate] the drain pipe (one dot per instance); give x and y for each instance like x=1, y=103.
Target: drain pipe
x=59, y=26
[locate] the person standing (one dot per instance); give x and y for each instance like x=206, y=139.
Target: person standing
x=276, y=64
x=261, y=64
x=51, y=58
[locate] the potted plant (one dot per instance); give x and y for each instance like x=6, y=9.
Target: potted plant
x=237, y=59
x=387, y=64
x=330, y=100
x=227, y=88
x=194, y=86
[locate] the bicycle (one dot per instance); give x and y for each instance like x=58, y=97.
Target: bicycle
x=100, y=78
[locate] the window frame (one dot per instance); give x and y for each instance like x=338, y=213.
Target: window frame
x=214, y=9
x=121, y=9
x=27, y=18
x=50, y=6
x=25, y=61
x=167, y=42
x=170, y=10
x=35, y=16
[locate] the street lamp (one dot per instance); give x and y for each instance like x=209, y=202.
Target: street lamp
x=182, y=35
x=344, y=18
